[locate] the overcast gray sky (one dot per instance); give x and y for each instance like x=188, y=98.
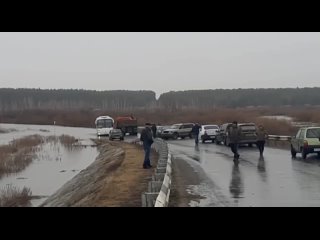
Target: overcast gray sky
x=159, y=61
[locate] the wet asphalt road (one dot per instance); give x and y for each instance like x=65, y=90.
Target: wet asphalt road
x=276, y=180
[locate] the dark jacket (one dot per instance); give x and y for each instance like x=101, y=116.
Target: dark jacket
x=196, y=129
x=234, y=134
x=146, y=136
x=154, y=130
x=261, y=134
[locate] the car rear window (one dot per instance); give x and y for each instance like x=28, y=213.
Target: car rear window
x=248, y=127
x=313, y=133
x=210, y=127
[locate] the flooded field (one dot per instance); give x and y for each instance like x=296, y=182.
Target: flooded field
x=55, y=161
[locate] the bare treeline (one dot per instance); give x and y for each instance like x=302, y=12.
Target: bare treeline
x=72, y=99
x=62, y=99
x=232, y=98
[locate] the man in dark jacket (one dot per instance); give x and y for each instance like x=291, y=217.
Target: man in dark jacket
x=234, y=134
x=195, y=131
x=154, y=130
x=261, y=139
x=146, y=138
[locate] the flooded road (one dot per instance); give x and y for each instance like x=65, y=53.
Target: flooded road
x=54, y=163
x=275, y=180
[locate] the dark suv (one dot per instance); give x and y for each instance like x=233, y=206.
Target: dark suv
x=248, y=134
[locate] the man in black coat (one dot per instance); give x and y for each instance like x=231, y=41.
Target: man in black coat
x=195, y=131
x=146, y=138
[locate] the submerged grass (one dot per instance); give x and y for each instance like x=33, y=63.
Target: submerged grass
x=19, y=153
x=11, y=196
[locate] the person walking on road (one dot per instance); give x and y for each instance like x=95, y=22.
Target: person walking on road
x=147, y=139
x=154, y=130
x=234, y=134
x=261, y=139
x=195, y=131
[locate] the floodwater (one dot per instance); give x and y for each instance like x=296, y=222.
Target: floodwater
x=54, y=164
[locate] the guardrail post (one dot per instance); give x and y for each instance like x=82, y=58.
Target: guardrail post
x=159, y=187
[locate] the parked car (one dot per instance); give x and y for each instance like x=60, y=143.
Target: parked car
x=116, y=134
x=248, y=134
x=222, y=133
x=178, y=130
x=208, y=132
x=160, y=130
x=306, y=141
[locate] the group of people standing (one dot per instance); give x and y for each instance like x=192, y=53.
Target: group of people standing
x=234, y=134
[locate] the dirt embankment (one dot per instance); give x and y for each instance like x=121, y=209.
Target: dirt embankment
x=115, y=179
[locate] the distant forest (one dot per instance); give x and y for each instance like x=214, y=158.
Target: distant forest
x=62, y=99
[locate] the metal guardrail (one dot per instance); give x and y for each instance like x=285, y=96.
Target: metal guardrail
x=159, y=187
x=279, y=138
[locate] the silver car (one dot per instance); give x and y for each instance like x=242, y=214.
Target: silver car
x=116, y=134
x=178, y=130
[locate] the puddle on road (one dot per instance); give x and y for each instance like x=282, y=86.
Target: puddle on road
x=53, y=165
x=207, y=197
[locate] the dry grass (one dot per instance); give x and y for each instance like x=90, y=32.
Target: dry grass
x=14, y=197
x=67, y=141
x=217, y=115
x=128, y=181
x=276, y=127
x=18, y=154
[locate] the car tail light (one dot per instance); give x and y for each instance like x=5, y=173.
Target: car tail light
x=305, y=143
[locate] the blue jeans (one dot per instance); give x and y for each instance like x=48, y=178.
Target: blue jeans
x=147, y=150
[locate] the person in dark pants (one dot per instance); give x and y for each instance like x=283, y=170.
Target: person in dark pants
x=261, y=139
x=234, y=134
x=146, y=138
x=154, y=130
x=195, y=131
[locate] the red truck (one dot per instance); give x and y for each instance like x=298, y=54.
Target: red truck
x=127, y=124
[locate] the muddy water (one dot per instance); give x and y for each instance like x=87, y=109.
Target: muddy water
x=54, y=163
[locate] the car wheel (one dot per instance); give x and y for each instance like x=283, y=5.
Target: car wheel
x=212, y=140
x=293, y=152
x=182, y=137
x=250, y=144
x=121, y=139
x=175, y=136
x=217, y=142
x=319, y=154
x=304, y=154
x=190, y=135
x=203, y=141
